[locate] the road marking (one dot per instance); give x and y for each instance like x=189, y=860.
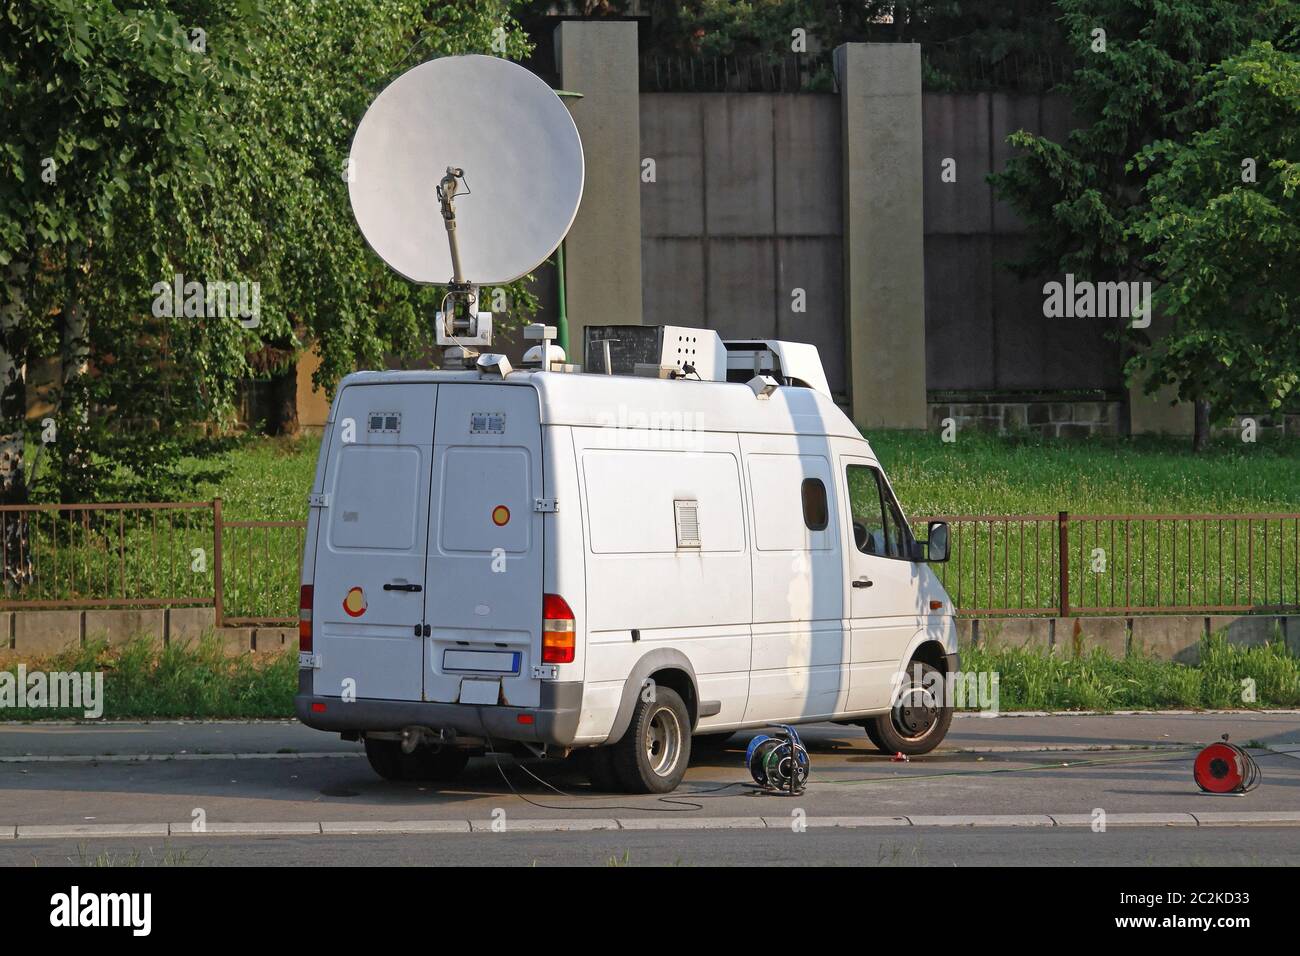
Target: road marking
x=671, y=821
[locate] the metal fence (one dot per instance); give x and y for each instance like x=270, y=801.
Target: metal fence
x=188, y=553
x=747, y=73
x=150, y=555
x=1067, y=564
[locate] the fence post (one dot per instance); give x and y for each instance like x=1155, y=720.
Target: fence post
x=1063, y=549
x=218, y=578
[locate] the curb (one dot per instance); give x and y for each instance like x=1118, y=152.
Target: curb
x=1274, y=818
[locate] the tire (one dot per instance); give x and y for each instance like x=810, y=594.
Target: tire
x=600, y=770
x=914, y=724
x=653, y=755
x=869, y=725
x=425, y=763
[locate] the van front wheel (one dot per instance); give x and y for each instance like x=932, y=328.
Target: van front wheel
x=653, y=755
x=917, y=721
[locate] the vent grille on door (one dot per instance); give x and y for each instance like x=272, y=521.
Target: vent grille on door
x=687, y=512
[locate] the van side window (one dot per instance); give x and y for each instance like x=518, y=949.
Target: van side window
x=878, y=525
x=815, y=513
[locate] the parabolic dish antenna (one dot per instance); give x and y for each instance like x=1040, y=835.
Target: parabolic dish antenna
x=517, y=153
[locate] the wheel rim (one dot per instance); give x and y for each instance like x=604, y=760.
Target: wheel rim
x=663, y=741
x=915, y=713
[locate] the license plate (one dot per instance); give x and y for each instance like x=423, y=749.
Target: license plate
x=458, y=661
x=479, y=691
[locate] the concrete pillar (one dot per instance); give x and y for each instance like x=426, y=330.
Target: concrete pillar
x=884, y=256
x=603, y=250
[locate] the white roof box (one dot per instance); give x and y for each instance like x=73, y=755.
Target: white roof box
x=679, y=351
x=790, y=363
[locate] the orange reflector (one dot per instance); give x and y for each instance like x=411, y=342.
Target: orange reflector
x=318, y=708
x=935, y=605
x=525, y=718
x=500, y=515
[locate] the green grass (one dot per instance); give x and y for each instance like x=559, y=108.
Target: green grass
x=978, y=474
x=1038, y=680
x=982, y=474
x=268, y=479
x=197, y=680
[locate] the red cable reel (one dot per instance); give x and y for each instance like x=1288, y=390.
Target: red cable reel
x=1225, y=768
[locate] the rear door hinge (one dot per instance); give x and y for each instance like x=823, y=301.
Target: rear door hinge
x=318, y=500
x=546, y=505
x=423, y=630
x=545, y=672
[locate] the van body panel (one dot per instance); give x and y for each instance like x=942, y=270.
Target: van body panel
x=483, y=578
x=370, y=534
x=646, y=587
x=799, y=655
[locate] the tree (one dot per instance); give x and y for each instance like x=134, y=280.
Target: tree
x=199, y=144
x=1222, y=218
x=1137, y=82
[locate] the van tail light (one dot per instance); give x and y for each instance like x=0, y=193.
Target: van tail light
x=558, y=630
x=304, y=618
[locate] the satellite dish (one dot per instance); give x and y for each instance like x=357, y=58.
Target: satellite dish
x=481, y=138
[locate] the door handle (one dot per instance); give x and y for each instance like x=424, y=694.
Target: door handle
x=862, y=582
x=402, y=587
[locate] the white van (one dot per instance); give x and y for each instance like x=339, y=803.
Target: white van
x=611, y=563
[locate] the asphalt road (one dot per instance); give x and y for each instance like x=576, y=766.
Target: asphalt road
x=1048, y=774
x=1254, y=846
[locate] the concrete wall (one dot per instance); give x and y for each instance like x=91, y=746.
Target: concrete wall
x=32, y=634
x=749, y=202
x=1168, y=637
x=744, y=210
x=985, y=329
x=35, y=634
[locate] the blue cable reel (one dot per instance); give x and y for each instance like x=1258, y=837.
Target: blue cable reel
x=779, y=763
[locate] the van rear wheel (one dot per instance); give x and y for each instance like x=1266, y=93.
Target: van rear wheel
x=653, y=755
x=917, y=721
x=424, y=763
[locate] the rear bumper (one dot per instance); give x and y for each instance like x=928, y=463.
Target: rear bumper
x=554, y=722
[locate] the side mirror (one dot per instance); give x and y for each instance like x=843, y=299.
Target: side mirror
x=936, y=547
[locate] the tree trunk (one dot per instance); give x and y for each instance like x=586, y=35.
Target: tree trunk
x=1201, y=428
x=13, y=416
x=284, y=401
x=74, y=478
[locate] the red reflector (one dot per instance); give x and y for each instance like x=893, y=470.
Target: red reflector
x=318, y=708
x=935, y=605
x=555, y=608
x=304, y=618
x=525, y=718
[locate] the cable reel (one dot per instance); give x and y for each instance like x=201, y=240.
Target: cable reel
x=1225, y=768
x=779, y=763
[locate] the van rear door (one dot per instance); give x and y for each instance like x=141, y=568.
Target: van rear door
x=368, y=602
x=483, y=588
